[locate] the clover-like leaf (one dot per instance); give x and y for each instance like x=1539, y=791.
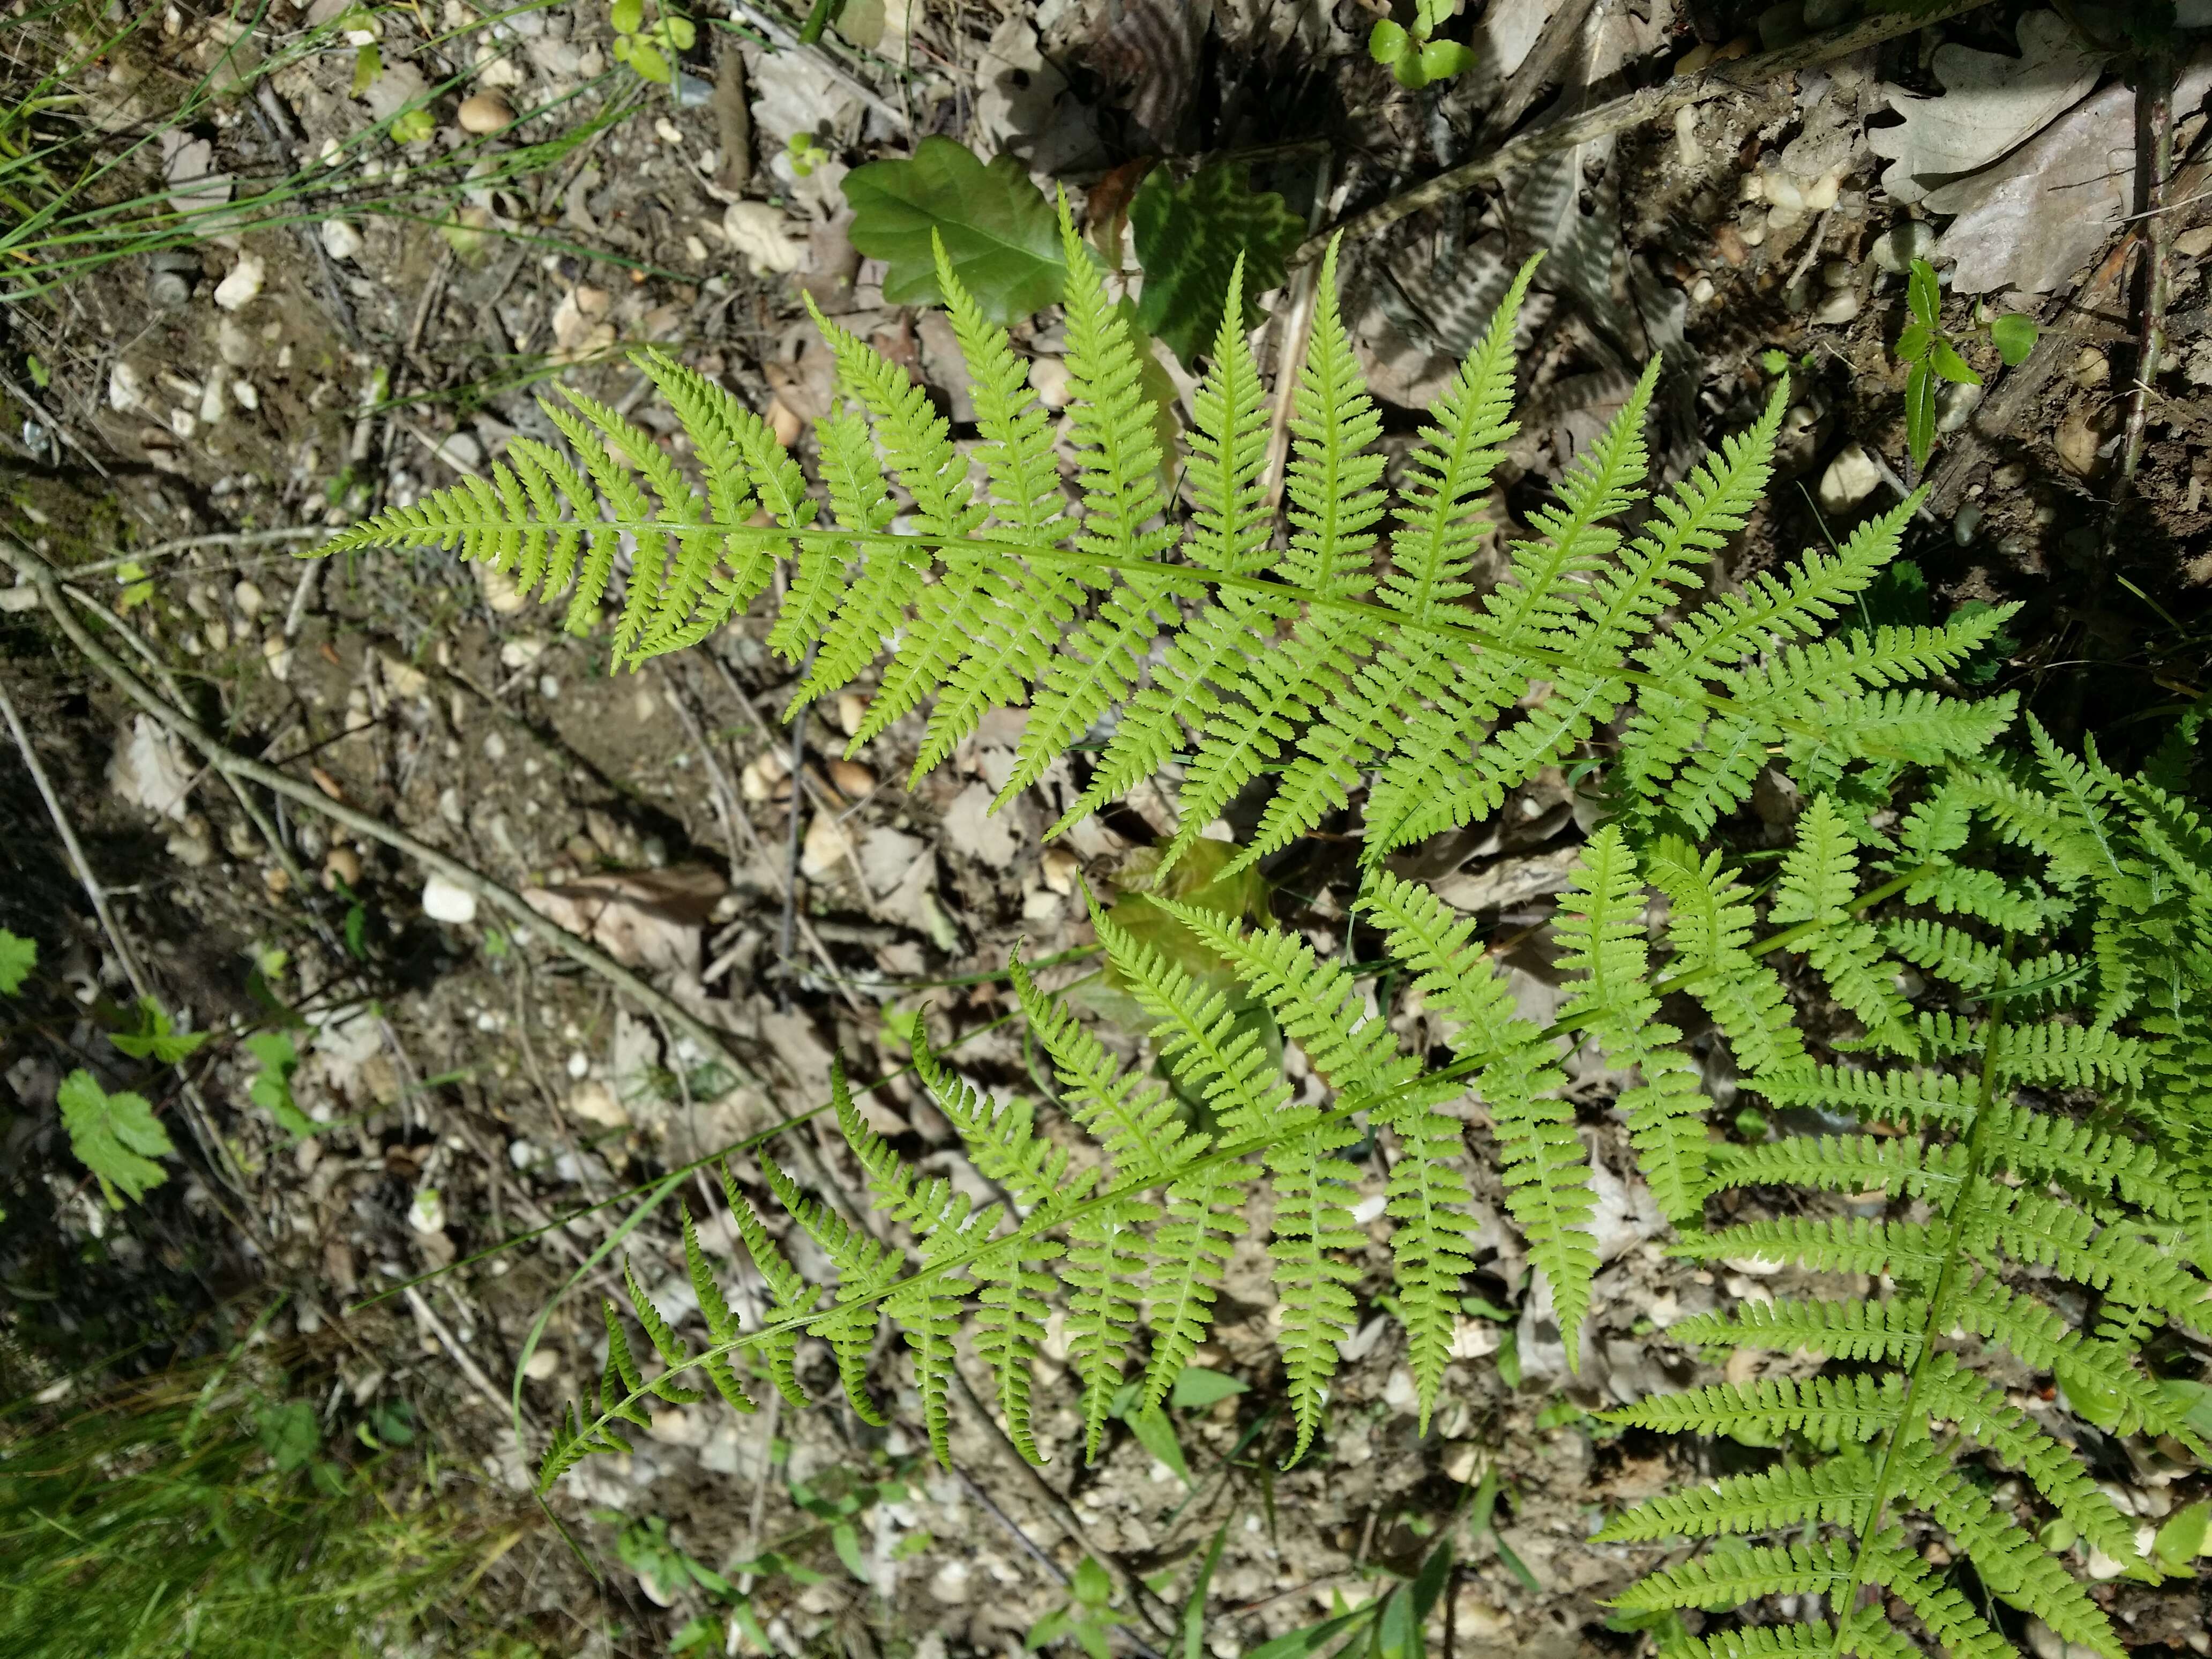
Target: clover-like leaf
x=114, y=1136
x=1387, y=42
x=997, y=230
x=2014, y=336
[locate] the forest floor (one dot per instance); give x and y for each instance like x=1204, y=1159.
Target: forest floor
x=183, y=422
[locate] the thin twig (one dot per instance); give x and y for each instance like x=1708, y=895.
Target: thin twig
x=218, y=538
x=1631, y=109
x=495, y=893
x=469, y=1368
x=204, y=1130
x=791, y=849
x=2154, y=241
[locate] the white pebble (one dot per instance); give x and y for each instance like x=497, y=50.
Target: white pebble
x=340, y=239
x=1896, y=248
x=1841, y=304
x=1850, y=479
x=244, y=282
x=448, y=901
x=580, y=1063
x=248, y=598
x=1969, y=521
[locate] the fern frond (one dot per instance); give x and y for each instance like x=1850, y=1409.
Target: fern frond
x=1831, y=1409
x=865, y=1269
x=722, y=1324
x=1118, y=453
x=1007, y=614
x=1431, y=555
x=785, y=1289
x=1819, y=881
x=1229, y=534
x=1839, y=1491
x=1890, y=1330
x=1730, y=1577
x=1709, y=922
x=1541, y=1161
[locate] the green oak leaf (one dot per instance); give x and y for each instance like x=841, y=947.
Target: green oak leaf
x=114, y=1136
x=999, y=230
x=1187, y=238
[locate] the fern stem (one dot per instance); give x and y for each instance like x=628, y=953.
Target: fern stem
x=1938, y=1319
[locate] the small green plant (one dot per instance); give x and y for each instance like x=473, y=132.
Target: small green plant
x=806, y=153
x=1407, y=48
x=1087, y=1616
x=651, y=49
x=116, y=1136
x=1933, y=353
x=18, y=957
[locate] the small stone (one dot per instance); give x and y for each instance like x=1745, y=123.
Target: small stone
x=500, y=591
x=1701, y=291
x=1955, y=405
x=245, y=394
x=1838, y=273
x=1400, y=1392
x=427, y=1213
x=1462, y=1462
x=2011, y=476
x=448, y=901
x=192, y=844
x=594, y=1102
x=851, y=709
x=948, y=1586
x=1820, y=194
x=541, y=1364
x=851, y=779
x=521, y=653
x=2077, y=441
x=1782, y=192
x=1050, y=379
x=340, y=239
x=2194, y=244
x=1850, y=479
x=2091, y=369
x=1967, y=521
x=549, y=687
x=1060, y=869
x=484, y=114
x=825, y=847
x=248, y=598
x=1908, y=240
x=243, y=285
x=1729, y=245
x=341, y=864
x=1840, y=306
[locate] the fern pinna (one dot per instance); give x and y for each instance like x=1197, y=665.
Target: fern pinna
x=1348, y=659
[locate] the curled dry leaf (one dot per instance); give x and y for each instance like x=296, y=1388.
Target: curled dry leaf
x=759, y=233
x=648, y=919
x=1989, y=104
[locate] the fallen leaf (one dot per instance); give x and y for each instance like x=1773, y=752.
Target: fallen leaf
x=1189, y=237
x=761, y=234
x=147, y=772
x=970, y=828
x=1509, y=881
x=649, y=919
x=1989, y=104
x=2044, y=211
